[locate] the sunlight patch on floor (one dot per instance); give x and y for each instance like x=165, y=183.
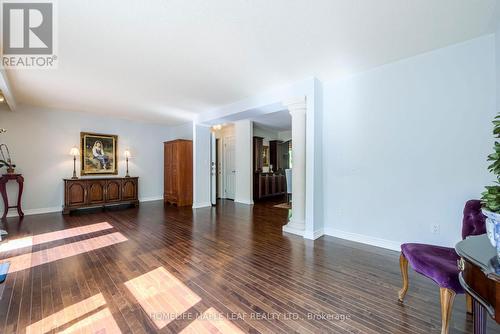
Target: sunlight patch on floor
x=162, y=296
x=52, y=236
x=31, y=260
x=99, y=322
x=211, y=322
x=67, y=315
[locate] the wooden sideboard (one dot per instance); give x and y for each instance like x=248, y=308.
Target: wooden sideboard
x=99, y=192
x=268, y=185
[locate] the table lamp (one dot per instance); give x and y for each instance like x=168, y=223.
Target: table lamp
x=127, y=155
x=74, y=152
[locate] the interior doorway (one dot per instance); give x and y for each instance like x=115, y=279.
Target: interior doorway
x=246, y=175
x=272, y=158
x=223, y=162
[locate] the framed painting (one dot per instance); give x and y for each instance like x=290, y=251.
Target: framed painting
x=265, y=155
x=98, y=154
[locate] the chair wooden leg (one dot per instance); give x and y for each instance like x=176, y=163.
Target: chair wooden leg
x=468, y=301
x=447, y=297
x=403, y=265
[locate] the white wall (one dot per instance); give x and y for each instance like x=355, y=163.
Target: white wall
x=497, y=58
x=406, y=145
x=40, y=141
x=243, y=161
x=319, y=172
x=201, y=166
x=183, y=131
x=285, y=135
x=266, y=134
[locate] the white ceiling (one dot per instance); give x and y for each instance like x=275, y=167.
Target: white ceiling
x=277, y=121
x=166, y=60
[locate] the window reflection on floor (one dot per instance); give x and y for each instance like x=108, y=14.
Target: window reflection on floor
x=87, y=316
x=211, y=321
x=34, y=259
x=162, y=296
x=10, y=245
x=99, y=322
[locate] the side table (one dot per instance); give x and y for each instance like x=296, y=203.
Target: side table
x=3, y=190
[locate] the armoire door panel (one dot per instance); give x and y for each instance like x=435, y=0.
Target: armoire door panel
x=178, y=174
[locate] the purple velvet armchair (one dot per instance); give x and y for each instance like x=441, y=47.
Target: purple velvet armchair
x=440, y=263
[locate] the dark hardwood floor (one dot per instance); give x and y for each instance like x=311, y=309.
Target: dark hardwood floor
x=155, y=269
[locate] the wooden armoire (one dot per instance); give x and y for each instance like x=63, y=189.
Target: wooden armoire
x=178, y=172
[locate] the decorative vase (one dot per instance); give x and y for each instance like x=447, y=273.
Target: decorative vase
x=493, y=228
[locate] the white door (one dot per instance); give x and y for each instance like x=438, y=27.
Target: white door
x=213, y=171
x=229, y=170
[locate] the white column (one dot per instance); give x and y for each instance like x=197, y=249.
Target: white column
x=298, y=110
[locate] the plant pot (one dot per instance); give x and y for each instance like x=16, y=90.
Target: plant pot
x=493, y=227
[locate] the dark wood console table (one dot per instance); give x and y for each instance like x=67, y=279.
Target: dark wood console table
x=3, y=189
x=99, y=192
x=268, y=185
x=480, y=278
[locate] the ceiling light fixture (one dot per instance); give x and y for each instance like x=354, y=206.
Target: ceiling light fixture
x=217, y=127
x=2, y=98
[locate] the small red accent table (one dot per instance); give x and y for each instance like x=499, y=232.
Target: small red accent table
x=3, y=189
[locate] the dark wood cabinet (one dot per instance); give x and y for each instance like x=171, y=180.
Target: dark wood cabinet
x=99, y=192
x=96, y=191
x=178, y=172
x=275, y=154
x=129, y=190
x=113, y=190
x=258, y=149
x=278, y=155
x=268, y=185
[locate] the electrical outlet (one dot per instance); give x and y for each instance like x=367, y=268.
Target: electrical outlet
x=436, y=229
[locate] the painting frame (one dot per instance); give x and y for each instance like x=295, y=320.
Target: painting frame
x=265, y=155
x=93, y=165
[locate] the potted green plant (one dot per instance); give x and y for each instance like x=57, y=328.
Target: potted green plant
x=491, y=196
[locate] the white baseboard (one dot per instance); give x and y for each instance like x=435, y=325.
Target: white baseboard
x=365, y=239
x=313, y=235
x=150, y=198
x=39, y=211
x=244, y=201
x=201, y=205
x=292, y=230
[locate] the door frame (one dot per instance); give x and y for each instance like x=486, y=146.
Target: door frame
x=225, y=170
x=213, y=170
